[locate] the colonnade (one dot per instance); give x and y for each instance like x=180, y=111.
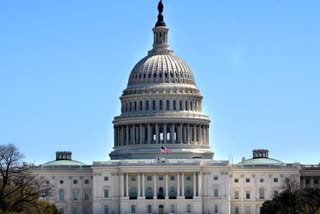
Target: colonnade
x=161, y=134
x=179, y=183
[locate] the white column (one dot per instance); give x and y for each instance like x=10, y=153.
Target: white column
x=182, y=187
x=141, y=134
x=157, y=133
x=127, y=135
x=127, y=185
x=133, y=134
x=121, y=185
x=200, y=184
x=154, y=186
x=167, y=195
x=178, y=189
x=172, y=134
x=165, y=133
x=180, y=134
x=194, y=134
x=139, y=187
x=143, y=190
x=194, y=184
x=189, y=134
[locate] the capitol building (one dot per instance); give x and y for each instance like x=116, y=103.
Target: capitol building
x=161, y=161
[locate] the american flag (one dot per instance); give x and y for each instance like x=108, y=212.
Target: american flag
x=164, y=149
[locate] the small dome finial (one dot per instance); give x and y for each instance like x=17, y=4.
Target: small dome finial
x=160, y=21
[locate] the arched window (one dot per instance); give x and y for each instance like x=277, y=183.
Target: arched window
x=149, y=209
x=135, y=105
x=168, y=105
x=147, y=105
x=180, y=105
x=174, y=105
x=130, y=106
x=140, y=106
x=160, y=104
x=61, y=195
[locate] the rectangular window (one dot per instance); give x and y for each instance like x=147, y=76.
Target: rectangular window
x=149, y=178
x=153, y=105
x=180, y=105
x=174, y=105
x=86, y=196
x=236, y=195
x=106, y=178
x=216, y=193
x=74, y=210
x=75, y=195
x=188, y=178
x=248, y=210
x=106, y=193
x=275, y=193
x=172, y=178
x=189, y=208
x=216, y=208
x=75, y=181
x=147, y=105
x=160, y=178
x=275, y=180
x=149, y=210
x=86, y=181
x=61, y=181
x=173, y=208
x=140, y=105
x=236, y=180
x=133, y=178
x=215, y=177
x=247, y=195
x=133, y=208
x=247, y=180
x=236, y=210
x=86, y=210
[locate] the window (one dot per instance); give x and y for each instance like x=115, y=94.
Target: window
x=248, y=210
x=236, y=195
x=140, y=106
x=74, y=210
x=189, y=208
x=172, y=178
x=133, y=208
x=247, y=180
x=174, y=105
x=216, y=208
x=236, y=210
x=275, y=193
x=61, y=195
x=133, y=178
x=86, y=196
x=188, y=178
x=236, y=180
x=261, y=180
x=261, y=193
x=149, y=178
x=86, y=210
x=160, y=178
x=180, y=105
x=216, y=193
x=106, y=193
x=168, y=105
x=61, y=181
x=153, y=105
x=47, y=182
x=172, y=208
x=86, y=181
x=160, y=104
x=75, y=195
x=215, y=177
x=61, y=210
x=186, y=105
x=149, y=209
x=147, y=105
x=130, y=106
x=106, y=178
x=106, y=209
x=75, y=181
x=135, y=105
x=275, y=180
x=247, y=194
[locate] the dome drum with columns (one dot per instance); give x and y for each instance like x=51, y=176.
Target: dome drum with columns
x=161, y=106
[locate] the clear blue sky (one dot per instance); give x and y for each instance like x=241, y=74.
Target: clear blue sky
x=64, y=64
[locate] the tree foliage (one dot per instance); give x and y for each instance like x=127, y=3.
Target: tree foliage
x=20, y=190
x=293, y=200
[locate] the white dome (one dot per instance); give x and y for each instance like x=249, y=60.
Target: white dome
x=161, y=68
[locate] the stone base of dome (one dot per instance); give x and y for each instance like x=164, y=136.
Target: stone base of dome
x=154, y=153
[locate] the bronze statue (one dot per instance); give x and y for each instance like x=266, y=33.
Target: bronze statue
x=160, y=21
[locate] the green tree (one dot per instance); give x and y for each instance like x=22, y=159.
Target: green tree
x=19, y=188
